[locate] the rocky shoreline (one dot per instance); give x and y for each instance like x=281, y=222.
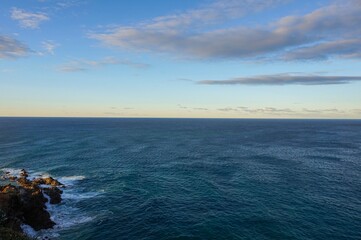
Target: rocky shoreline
x=23, y=201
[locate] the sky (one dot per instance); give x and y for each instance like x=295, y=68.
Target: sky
x=181, y=58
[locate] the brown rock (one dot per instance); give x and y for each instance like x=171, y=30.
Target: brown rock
x=10, y=189
x=13, y=178
x=47, y=181
x=24, y=182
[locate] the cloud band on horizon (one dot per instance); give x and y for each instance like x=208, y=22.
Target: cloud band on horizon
x=283, y=79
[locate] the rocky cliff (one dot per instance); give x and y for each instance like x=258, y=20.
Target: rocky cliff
x=23, y=201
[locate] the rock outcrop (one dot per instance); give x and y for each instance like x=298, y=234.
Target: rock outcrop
x=24, y=202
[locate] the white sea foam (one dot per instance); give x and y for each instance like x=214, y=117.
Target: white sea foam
x=39, y=175
x=12, y=171
x=29, y=231
x=66, y=216
x=70, y=180
x=73, y=178
x=77, y=196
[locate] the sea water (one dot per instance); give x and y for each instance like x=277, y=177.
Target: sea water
x=193, y=178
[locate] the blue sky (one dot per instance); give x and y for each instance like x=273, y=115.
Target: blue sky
x=161, y=58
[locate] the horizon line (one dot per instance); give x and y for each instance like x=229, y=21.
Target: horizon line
x=210, y=118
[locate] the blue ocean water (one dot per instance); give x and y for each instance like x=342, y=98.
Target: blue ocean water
x=194, y=178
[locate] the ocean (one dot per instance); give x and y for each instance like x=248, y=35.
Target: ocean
x=193, y=178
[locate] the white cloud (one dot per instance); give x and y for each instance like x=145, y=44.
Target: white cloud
x=28, y=19
x=49, y=47
x=335, y=26
x=12, y=48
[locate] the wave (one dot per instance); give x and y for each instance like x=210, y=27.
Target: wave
x=70, y=180
x=79, y=196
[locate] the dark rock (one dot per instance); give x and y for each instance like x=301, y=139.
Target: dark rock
x=54, y=193
x=10, y=207
x=9, y=234
x=24, y=173
x=34, y=209
x=26, y=202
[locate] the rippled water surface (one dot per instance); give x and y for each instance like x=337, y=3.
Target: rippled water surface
x=194, y=179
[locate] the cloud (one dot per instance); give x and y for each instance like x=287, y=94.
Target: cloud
x=245, y=111
x=332, y=29
x=68, y=4
x=83, y=65
x=218, y=10
x=189, y=109
x=182, y=107
x=265, y=110
x=28, y=19
x=273, y=111
x=349, y=48
x=12, y=48
x=284, y=79
x=174, y=33
x=329, y=110
x=49, y=47
x=228, y=109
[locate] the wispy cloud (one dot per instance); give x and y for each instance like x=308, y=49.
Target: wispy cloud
x=217, y=11
x=349, y=48
x=192, y=108
x=48, y=48
x=273, y=111
x=265, y=110
x=28, y=19
x=68, y=4
x=284, y=79
x=288, y=38
x=200, y=109
x=328, y=110
x=84, y=64
x=12, y=48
